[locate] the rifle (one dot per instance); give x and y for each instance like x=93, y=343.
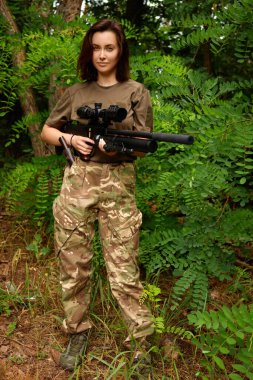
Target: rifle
x=122, y=141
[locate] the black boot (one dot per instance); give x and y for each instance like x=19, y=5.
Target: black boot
x=143, y=369
x=72, y=356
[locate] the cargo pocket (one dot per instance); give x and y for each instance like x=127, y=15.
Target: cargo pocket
x=125, y=224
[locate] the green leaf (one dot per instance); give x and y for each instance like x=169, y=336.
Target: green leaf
x=231, y=341
x=224, y=350
x=248, y=329
x=219, y=362
x=240, y=334
x=234, y=376
x=240, y=368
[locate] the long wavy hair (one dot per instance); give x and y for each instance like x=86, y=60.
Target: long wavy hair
x=85, y=67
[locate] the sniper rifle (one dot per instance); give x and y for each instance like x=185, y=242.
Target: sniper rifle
x=123, y=141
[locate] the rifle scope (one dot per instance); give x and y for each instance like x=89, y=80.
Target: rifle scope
x=112, y=113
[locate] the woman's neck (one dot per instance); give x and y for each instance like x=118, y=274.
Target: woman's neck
x=106, y=81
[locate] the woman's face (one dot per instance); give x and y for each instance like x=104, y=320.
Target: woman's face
x=105, y=52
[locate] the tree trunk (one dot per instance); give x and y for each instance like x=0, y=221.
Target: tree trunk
x=134, y=11
x=27, y=100
x=207, y=61
x=70, y=9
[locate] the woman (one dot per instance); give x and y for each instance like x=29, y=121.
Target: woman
x=99, y=186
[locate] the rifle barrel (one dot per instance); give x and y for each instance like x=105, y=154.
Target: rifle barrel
x=174, y=138
x=139, y=145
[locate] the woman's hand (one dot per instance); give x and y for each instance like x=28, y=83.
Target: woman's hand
x=101, y=145
x=83, y=145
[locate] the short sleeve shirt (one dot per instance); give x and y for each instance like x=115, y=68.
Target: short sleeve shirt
x=131, y=95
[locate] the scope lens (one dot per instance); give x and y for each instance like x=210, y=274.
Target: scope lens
x=85, y=112
x=120, y=114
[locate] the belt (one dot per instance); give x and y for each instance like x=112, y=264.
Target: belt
x=107, y=162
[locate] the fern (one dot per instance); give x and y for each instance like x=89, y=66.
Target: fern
x=20, y=127
x=180, y=332
x=193, y=283
x=157, y=250
x=55, y=181
x=42, y=196
x=30, y=188
x=243, y=283
x=197, y=37
x=15, y=185
x=226, y=332
x=223, y=29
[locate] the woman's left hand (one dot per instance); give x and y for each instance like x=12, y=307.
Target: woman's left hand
x=101, y=145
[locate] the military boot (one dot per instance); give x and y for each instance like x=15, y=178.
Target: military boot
x=72, y=356
x=142, y=365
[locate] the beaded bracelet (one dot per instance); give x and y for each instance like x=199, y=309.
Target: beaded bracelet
x=70, y=143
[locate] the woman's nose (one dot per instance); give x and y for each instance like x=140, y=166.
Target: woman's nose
x=102, y=54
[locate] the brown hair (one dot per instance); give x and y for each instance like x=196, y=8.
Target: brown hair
x=85, y=67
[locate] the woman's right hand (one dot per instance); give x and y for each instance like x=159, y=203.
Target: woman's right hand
x=84, y=145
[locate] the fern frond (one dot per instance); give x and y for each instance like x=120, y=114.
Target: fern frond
x=200, y=36
x=16, y=183
x=157, y=250
x=30, y=188
x=42, y=196
x=227, y=333
x=179, y=331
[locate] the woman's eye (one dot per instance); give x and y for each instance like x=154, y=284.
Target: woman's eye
x=109, y=49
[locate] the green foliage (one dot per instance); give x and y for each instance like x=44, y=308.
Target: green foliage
x=243, y=283
x=37, y=249
x=195, y=199
x=9, y=300
x=226, y=333
x=180, y=332
x=217, y=36
x=20, y=127
x=98, y=262
x=31, y=187
x=151, y=296
x=200, y=36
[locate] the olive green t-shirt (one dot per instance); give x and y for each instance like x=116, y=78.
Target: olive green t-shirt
x=131, y=95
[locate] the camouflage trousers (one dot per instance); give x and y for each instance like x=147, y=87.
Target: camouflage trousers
x=104, y=192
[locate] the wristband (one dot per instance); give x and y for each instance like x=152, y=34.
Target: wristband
x=70, y=143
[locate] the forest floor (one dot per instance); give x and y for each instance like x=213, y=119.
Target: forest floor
x=31, y=315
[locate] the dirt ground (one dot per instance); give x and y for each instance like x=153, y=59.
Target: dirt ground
x=30, y=323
